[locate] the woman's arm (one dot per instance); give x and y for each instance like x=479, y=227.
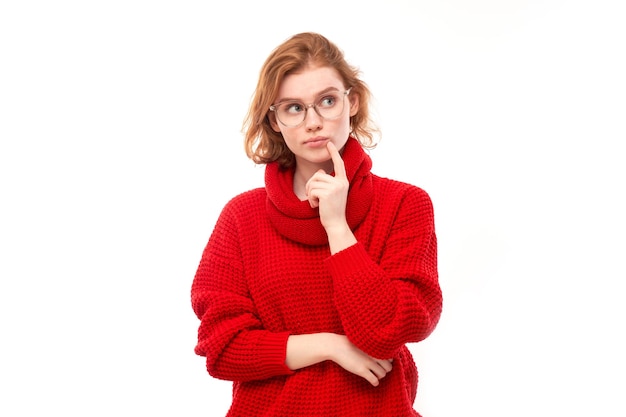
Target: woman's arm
x=231, y=336
x=395, y=299
x=309, y=349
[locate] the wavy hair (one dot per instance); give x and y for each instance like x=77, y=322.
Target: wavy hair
x=261, y=142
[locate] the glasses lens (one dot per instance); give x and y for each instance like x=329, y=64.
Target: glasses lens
x=291, y=113
x=330, y=106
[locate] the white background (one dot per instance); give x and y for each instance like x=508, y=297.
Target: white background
x=120, y=143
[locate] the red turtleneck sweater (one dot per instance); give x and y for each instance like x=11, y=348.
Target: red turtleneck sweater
x=267, y=273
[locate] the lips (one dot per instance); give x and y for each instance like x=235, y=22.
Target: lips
x=316, y=140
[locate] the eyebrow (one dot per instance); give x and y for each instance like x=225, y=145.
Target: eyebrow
x=324, y=91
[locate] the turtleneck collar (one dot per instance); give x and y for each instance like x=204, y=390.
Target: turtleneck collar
x=296, y=219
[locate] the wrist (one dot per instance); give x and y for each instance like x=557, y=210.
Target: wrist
x=335, y=346
x=328, y=343
x=340, y=237
x=308, y=349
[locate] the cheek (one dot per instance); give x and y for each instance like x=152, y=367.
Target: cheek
x=342, y=132
x=289, y=138
x=345, y=125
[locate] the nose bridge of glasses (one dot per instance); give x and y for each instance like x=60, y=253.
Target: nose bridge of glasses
x=306, y=111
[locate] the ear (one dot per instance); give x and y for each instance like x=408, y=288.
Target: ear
x=354, y=104
x=273, y=122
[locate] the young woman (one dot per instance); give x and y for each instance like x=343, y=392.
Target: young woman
x=310, y=288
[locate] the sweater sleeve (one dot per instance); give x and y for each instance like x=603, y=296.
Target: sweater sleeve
x=397, y=300
x=230, y=335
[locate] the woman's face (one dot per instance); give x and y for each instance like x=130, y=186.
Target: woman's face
x=308, y=140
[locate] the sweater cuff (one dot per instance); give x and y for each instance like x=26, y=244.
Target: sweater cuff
x=347, y=261
x=272, y=350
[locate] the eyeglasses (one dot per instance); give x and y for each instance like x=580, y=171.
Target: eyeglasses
x=329, y=106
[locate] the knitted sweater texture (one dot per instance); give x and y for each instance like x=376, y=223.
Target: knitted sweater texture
x=267, y=273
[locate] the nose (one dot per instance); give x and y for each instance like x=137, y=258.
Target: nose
x=312, y=120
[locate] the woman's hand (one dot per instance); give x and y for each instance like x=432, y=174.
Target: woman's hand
x=330, y=193
x=354, y=360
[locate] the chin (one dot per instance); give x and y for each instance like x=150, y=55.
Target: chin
x=314, y=157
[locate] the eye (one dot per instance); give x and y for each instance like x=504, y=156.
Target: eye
x=293, y=108
x=328, y=101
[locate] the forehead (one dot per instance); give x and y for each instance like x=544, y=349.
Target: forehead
x=309, y=82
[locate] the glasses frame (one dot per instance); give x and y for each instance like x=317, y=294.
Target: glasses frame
x=274, y=108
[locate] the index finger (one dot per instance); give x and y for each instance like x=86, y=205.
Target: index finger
x=340, y=169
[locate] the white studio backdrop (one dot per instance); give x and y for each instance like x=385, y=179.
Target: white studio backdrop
x=120, y=143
